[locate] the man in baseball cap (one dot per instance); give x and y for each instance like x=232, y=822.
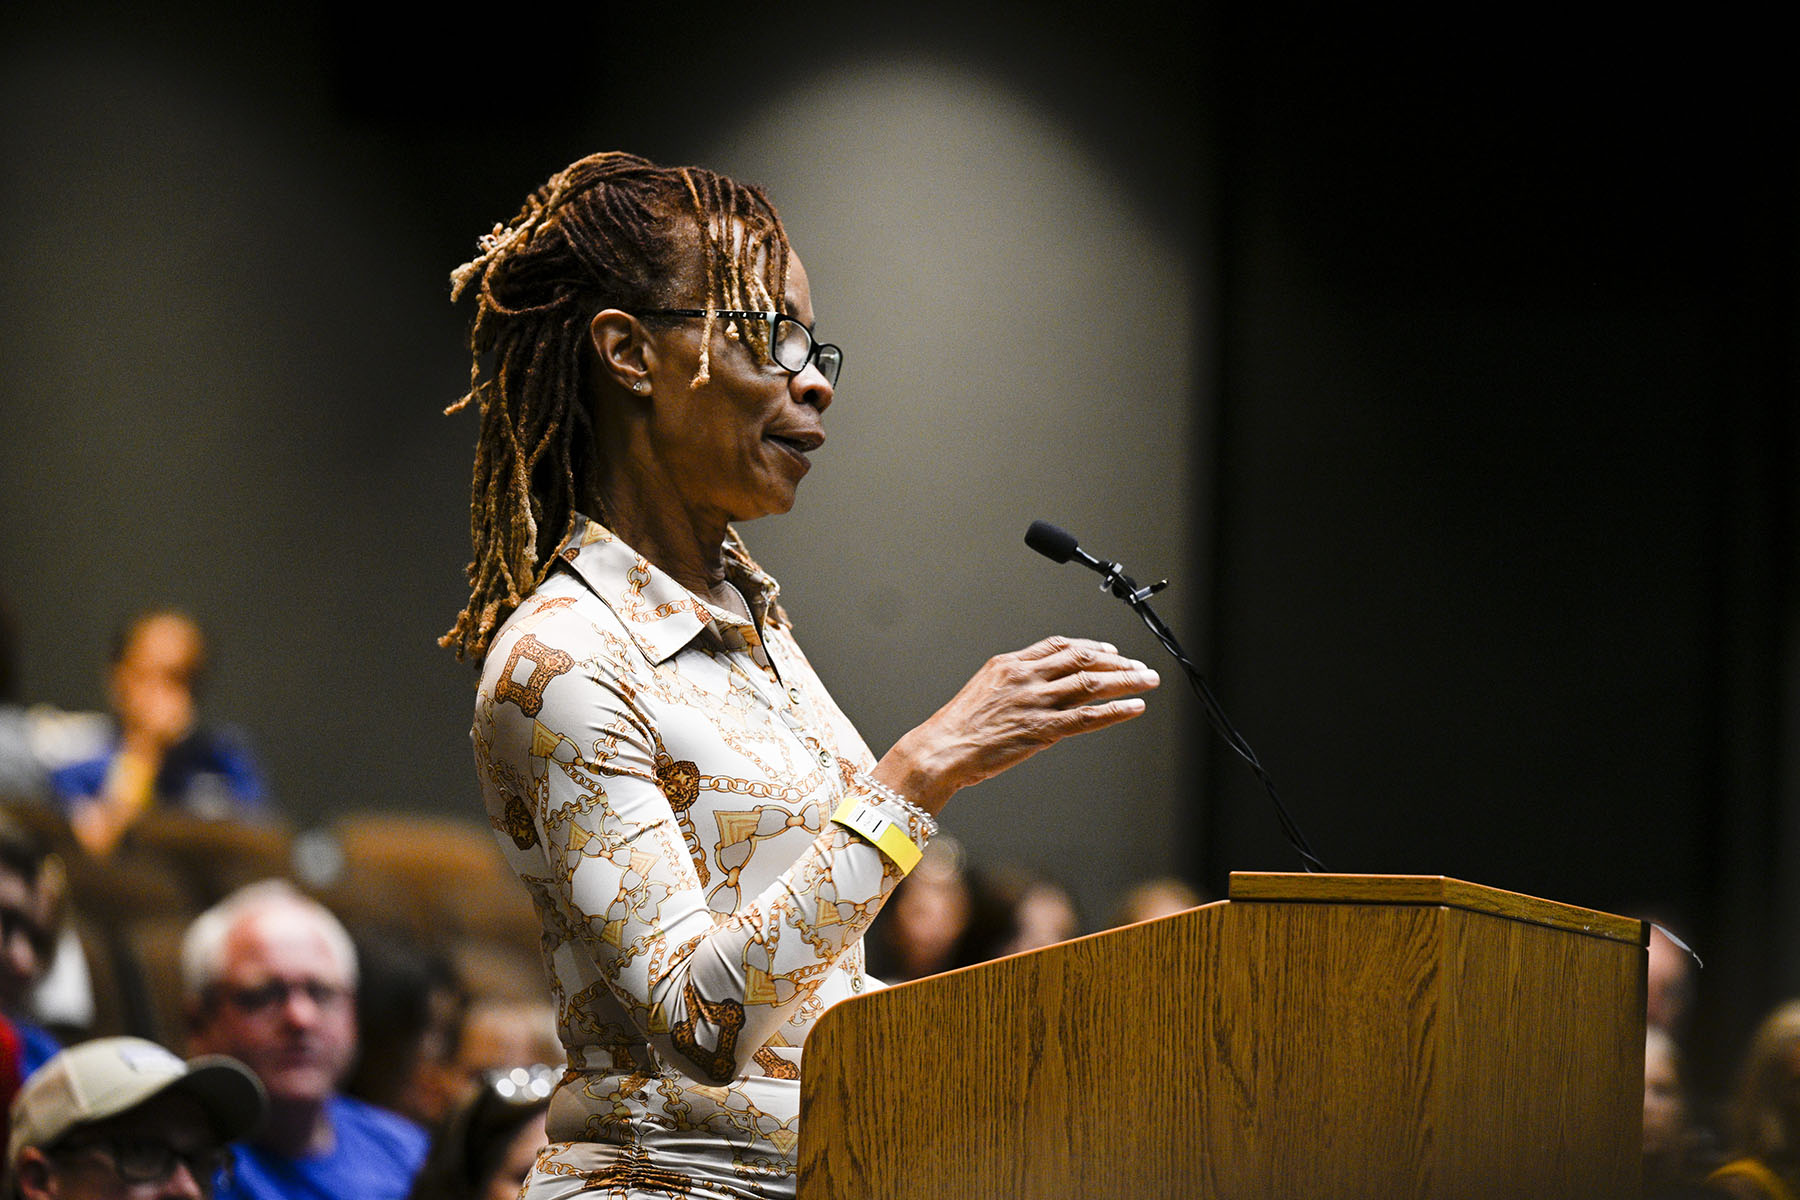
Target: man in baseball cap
x=123, y=1119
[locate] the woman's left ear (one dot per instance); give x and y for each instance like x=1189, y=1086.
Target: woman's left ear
x=622, y=345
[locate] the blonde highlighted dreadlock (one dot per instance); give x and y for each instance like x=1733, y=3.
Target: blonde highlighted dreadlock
x=610, y=231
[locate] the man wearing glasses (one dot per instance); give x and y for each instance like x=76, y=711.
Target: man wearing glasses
x=270, y=978
x=123, y=1119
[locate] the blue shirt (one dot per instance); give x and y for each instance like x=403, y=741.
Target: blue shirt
x=37, y=1046
x=374, y=1156
x=210, y=773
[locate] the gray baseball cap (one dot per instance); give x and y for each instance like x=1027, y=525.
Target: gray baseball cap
x=107, y=1076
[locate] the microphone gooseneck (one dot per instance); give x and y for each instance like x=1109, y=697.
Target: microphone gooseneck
x=1061, y=546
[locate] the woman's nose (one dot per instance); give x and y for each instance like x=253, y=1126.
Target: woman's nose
x=812, y=388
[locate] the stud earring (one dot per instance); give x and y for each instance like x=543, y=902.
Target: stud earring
x=641, y=387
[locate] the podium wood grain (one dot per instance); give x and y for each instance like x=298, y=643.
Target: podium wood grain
x=1314, y=1036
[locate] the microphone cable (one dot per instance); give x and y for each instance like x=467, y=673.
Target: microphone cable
x=1060, y=546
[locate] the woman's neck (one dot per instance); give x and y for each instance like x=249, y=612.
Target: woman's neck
x=651, y=515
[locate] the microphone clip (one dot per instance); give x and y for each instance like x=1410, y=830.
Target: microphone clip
x=1114, y=579
x=1142, y=594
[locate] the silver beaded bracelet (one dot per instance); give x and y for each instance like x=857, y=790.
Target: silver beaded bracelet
x=927, y=823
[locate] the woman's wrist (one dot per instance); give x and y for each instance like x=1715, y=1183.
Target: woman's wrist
x=920, y=823
x=906, y=770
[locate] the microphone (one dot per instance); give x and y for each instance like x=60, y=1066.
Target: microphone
x=1055, y=543
x=1060, y=546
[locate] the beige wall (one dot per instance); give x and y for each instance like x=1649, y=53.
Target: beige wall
x=1019, y=344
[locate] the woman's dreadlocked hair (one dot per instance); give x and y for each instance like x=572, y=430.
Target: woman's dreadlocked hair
x=610, y=231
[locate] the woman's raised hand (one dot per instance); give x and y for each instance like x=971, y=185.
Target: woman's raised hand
x=1014, y=706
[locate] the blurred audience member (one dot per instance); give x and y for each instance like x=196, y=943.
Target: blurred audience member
x=1160, y=897
x=123, y=1119
x=159, y=754
x=28, y=924
x=409, y=1010
x=499, y=1034
x=37, y=740
x=1012, y=911
x=486, y=1149
x=63, y=999
x=946, y=915
x=1043, y=915
x=269, y=977
x=922, y=925
x=1765, y=1117
x=1676, y=1151
x=1669, y=982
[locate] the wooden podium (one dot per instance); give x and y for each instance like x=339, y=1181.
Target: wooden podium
x=1311, y=1038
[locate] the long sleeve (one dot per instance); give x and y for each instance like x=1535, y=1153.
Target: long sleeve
x=662, y=774
x=704, y=955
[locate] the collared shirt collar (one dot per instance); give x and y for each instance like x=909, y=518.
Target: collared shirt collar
x=661, y=615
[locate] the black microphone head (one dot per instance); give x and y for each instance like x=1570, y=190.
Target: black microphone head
x=1055, y=544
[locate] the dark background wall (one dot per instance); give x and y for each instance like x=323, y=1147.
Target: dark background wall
x=1448, y=371
x=1505, y=486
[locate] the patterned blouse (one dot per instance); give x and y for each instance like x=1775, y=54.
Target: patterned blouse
x=661, y=773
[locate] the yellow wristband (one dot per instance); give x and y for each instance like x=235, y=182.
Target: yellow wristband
x=868, y=822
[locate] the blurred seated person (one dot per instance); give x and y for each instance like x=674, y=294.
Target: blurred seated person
x=1669, y=982
x=499, y=1034
x=1047, y=916
x=29, y=919
x=947, y=915
x=269, y=977
x=1676, y=1150
x=922, y=926
x=159, y=754
x=410, y=1006
x=1162, y=896
x=1764, y=1159
x=1014, y=910
x=36, y=739
x=123, y=1119
x=488, y=1145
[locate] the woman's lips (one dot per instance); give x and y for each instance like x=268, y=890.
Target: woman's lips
x=798, y=445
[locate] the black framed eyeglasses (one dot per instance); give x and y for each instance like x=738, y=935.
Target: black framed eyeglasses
x=791, y=343
x=151, y=1160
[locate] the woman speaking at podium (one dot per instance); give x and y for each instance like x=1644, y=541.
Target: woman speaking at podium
x=703, y=833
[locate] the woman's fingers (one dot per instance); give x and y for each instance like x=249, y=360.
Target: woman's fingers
x=1080, y=672
x=1058, y=674
x=1056, y=645
x=1016, y=705
x=1085, y=718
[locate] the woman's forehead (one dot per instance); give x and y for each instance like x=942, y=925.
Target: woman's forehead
x=799, y=290
x=689, y=275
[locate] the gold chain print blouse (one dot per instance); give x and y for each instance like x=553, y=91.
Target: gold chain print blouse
x=661, y=774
